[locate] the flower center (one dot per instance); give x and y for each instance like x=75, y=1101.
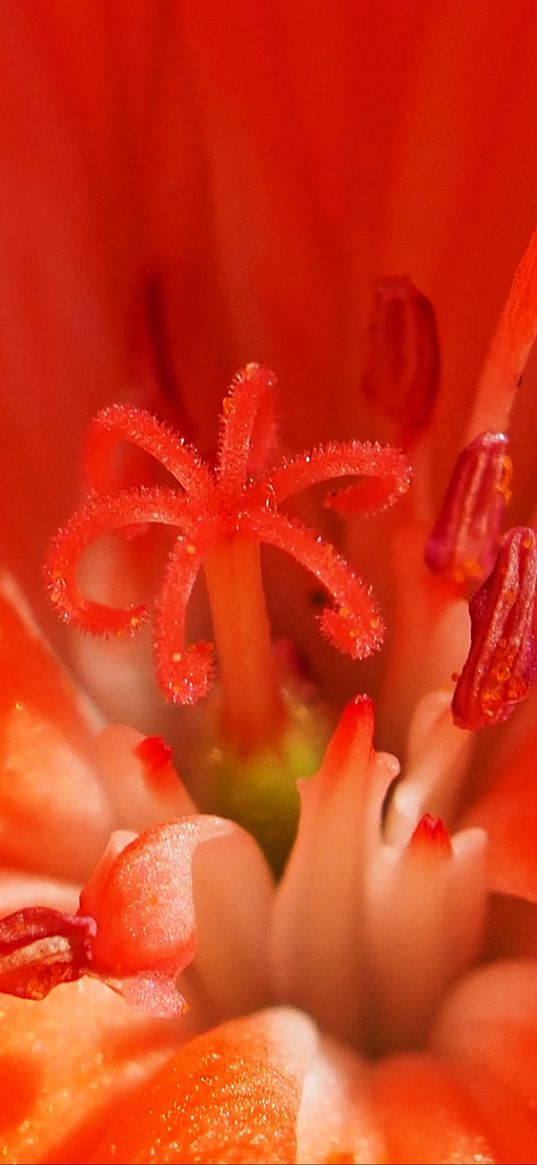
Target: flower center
x=222, y=515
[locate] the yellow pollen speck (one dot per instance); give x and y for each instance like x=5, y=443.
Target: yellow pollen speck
x=19, y=705
x=135, y=621
x=177, y=656
x=527, y=543
x=190, y=548
x=374, y=622
x=227, y=404
x=344, y=612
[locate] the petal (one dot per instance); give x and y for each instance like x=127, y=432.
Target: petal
x=488, y=1029
x=141, y=897
x=232, y=1095
x=425, y=1115
x=140, y=778
x=55, y=814
x=507, y=810
x=490, y=1021
x=233, y=898
x=318, y=927
x=336, y=1122
x=66, y=1064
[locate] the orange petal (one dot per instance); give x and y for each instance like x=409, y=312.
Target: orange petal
x=507, y=810
x=55, y=815
x=488, y=1029
x=426, y=1117
x=65, y=1065
x=232, y=1095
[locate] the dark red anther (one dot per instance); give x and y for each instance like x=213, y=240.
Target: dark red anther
x=40, y=948
x=403, y=360
x=502, y=664
x=464, y=540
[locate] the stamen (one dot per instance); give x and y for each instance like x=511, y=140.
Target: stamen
x=154, y=752
x=501, y=665
x=403, y=360
x=510, y=348
x=431, y=836
x=464, y=540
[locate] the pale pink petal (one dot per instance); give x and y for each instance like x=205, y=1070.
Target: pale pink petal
x=233, y=897
x=318, y=928
x=336, y=1121
x=438, y=754
x=140, y=778
x=426, y=909
x=22, y=888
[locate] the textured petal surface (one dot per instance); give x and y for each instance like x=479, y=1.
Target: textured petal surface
x=65, y=1064
x=142, y=899
x=231, y=1095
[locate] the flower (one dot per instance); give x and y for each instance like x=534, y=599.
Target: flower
x=390, y=976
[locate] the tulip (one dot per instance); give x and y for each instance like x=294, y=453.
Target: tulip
x=231, y=928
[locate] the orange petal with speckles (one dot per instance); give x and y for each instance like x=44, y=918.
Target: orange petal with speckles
x=232, y=1095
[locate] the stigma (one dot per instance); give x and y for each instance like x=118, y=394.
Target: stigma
x=221, y=516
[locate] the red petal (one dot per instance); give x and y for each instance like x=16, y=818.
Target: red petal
x=507, y=811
